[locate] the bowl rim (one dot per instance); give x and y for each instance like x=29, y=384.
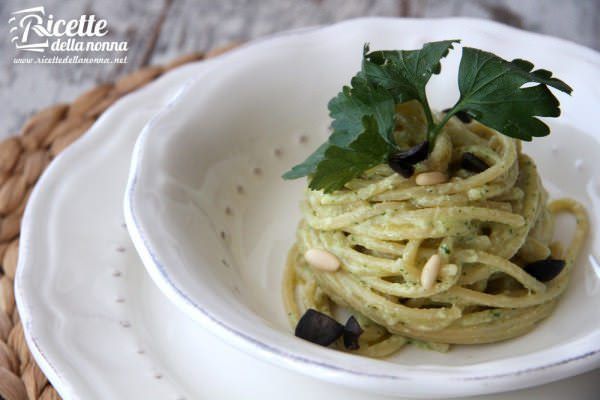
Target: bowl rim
x=555, y=367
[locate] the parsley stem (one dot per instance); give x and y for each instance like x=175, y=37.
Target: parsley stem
x=429, y=117
x=434, y=131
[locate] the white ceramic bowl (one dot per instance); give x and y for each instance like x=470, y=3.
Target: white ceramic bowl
x=213, y=220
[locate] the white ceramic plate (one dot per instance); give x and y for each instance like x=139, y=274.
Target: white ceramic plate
x=213, y=220
x=96, y=323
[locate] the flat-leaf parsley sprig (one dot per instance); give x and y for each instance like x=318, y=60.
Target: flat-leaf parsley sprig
x=496, y=92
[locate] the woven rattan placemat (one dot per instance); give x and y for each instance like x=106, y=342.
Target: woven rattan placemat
x=22, y=160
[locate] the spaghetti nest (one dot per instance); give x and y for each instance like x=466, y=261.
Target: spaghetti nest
x=484, y=226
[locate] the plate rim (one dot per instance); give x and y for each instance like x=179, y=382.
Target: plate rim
x=549, y=371
x=25, y=306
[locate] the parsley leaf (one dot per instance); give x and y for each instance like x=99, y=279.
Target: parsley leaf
x=387, y=78
x=406, y=72
x=309, y=165
x=342, y=164
x=492, y=92
x=348, y=109
x=350, y=106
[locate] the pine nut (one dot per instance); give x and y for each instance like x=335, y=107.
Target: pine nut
x=431, y=178
x=449, y=270
x=322, y=259
x=430, y=271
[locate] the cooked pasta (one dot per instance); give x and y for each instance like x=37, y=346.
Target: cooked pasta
x=485, y=227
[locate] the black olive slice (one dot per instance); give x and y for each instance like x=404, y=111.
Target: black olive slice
x=413, y=155
x=406, y=170
x=545, y=270
x=352, y=332
x=472, y=163
x=318, y=328
x=402, y=161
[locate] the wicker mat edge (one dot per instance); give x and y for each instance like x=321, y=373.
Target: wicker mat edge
x=22, y=160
